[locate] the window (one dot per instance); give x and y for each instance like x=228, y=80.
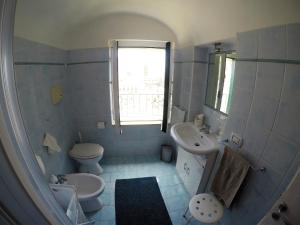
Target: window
x=141, y=85
x=140, y=81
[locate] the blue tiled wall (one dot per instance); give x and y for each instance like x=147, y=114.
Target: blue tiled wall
x=265, y=111
x=89, y=84
x=214, y=119
x=29, y=51
x=86, y=101
x=190, y=79
x=39, y=114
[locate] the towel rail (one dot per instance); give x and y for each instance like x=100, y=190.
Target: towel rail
x=256, y=169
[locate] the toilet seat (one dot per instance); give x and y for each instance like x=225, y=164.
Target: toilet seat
x=86, y=151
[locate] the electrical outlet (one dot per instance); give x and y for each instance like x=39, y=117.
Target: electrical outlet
x=236, y=139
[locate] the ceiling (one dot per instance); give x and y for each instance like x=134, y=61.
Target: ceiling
x=70, y=23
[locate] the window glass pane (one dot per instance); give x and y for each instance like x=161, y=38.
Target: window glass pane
x=141, y=73
x=227, y=88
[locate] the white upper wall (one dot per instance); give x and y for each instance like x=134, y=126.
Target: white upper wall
x=117, y=26
x=72, y=24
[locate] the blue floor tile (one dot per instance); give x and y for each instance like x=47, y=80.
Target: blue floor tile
x=108, y=222
x=175, y=195
x=176, y=203
x=108, y=199
x=107, y=213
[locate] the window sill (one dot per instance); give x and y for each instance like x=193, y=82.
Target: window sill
x=141, y=122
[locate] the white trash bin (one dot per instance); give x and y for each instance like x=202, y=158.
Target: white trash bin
x=166, y=153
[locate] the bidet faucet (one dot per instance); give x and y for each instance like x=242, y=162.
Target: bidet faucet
x=61, y=178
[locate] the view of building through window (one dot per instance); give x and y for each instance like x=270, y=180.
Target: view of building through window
x=141, y=73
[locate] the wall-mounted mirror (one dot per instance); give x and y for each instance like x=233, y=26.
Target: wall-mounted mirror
x=220, y=80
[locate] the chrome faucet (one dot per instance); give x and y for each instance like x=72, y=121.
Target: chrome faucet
x=61, y=179
x=205, y=129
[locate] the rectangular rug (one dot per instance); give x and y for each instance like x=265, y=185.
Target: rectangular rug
x=138, y=201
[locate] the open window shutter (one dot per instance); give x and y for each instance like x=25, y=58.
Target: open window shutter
x=114, y=84
x=164, y=125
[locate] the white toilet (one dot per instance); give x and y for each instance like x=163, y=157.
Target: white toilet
x=88, y=188
x=88, y=155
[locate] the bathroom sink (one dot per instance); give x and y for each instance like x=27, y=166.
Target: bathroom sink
x=187, y=136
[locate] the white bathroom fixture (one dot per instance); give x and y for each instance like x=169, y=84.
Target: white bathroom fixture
x=88, y=189
x=192, y=140
x=196, y=155
x=205, y=208
x=88, y=155
x=66, y=196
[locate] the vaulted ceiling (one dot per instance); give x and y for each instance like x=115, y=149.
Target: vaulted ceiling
x=89, y=23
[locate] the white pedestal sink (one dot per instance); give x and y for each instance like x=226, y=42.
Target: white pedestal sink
x=196, y=156
x=190, y=139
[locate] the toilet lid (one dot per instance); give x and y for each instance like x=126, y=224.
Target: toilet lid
x=86, y=150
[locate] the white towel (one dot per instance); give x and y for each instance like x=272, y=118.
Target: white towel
x=51, y=143
x=177, y=115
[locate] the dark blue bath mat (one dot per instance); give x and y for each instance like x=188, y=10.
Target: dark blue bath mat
x=138, y=201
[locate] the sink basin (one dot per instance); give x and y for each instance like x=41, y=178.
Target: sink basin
x=187, y=136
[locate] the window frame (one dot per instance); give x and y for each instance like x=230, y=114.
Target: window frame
x=114, y=80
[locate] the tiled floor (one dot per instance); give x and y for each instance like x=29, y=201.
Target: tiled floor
x=175, y=196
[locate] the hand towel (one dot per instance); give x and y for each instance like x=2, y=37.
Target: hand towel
x=51, y=143
x=230, y=175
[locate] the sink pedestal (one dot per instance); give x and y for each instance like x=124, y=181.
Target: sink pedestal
x=197, y=154
x=194, y=170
